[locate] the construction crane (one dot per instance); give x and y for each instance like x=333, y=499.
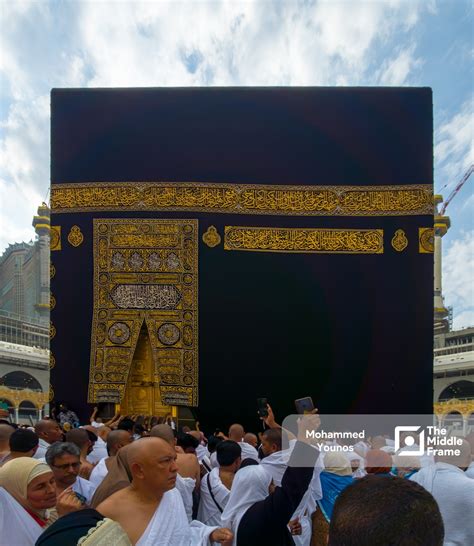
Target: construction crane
x=459, y=185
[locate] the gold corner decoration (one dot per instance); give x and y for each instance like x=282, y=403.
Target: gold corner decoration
x=55, y=238
x=425, y=240
x=211, y=237
x=333, y=241
x=52, y=301
x=291, y=200
x=52, y=330
x=399, y=240
x=52, y=270
x=52, y=361
x=50, y=394
x=75, y=236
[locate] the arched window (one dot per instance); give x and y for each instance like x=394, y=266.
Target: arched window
x=27, y=409
x=20, y=380
x=460, y=390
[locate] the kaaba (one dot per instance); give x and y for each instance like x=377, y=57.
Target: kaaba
x=210, y=246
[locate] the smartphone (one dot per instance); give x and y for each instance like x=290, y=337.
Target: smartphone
x=304, y=405
x=80, y=497
x=262, y=407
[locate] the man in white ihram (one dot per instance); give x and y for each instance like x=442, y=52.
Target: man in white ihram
x=151, y=510
x=454, y=493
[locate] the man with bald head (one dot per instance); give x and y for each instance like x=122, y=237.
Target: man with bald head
x=116, y=439
x=150, y=509
x=188, y=467
x=453, y=491
x=251, y=439
x=48, y=432
x=236, y=434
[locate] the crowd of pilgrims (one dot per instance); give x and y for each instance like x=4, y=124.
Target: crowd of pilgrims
x=144, y=482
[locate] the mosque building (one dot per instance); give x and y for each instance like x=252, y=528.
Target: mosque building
x=24, y=324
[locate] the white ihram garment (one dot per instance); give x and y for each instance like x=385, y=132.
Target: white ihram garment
x=98, y=474
x=208, y=512
x=99, y=452
x=186, y=486
x=248, y=451
x=16, y=525
x=169, y=525
x=250, y=485
x=454, y=493
x=84, y=488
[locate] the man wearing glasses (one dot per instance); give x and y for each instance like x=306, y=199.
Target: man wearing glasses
x=64, y=460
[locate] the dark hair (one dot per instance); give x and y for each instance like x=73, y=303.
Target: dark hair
x=228, y=452
x=186, y=440
x=273, y=435
x=381, y=510
x=92, y=435
x=126, y=424
x=23, y=440
x=77, y=436
x=213, y=442
x=248, y=462
x=139, y=429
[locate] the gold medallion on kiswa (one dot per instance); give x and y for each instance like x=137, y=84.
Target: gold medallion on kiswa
x=292, y=200
x=145, y=275
x=271, y=239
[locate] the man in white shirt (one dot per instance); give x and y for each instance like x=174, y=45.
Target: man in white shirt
x=454, y=493
x=216, y=485
x=48, y=432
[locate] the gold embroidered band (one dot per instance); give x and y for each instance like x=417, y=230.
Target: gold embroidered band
x=401, y=200
x=271, y=239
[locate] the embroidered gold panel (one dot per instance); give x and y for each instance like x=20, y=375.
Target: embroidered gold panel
x=426, y=240
x=295, y=200
x=145, y=272
x=55, y=238
x=271, y=239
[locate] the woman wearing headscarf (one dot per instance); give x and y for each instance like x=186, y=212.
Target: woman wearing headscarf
x=337, y=475
x=118, y=477
x=28, y=499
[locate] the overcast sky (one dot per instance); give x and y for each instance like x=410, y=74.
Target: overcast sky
x=105, y=44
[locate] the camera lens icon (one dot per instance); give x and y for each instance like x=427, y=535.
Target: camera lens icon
x=406, y=444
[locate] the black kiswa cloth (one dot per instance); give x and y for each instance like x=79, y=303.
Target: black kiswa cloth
x=354, y=331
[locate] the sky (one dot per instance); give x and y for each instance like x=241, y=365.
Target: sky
x=228, y=43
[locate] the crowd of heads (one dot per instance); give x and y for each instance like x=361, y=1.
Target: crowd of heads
x=374, y=501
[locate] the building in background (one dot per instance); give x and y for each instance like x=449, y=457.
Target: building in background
x=453, y=358
x=24, y=324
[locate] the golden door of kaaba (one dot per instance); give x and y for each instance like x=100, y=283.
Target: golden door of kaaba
x=142, y=393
